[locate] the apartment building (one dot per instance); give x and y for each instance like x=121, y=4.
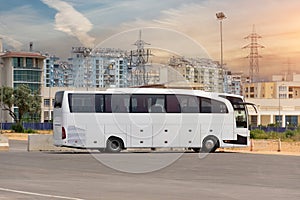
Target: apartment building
x=277, y=101
x=204, y=72
x=99, y=68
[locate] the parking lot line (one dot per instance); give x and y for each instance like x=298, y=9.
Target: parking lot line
x=38, y=194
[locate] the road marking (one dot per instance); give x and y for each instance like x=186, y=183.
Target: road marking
x=38, y=194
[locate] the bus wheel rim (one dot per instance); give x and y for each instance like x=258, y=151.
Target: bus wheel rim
x=115, y=145
x=209, y=144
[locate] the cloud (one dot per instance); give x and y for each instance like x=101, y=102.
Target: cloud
x=72, y=22
x=17, y=45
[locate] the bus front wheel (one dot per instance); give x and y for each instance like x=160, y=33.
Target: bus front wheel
x=210, y=144
x=114, y=145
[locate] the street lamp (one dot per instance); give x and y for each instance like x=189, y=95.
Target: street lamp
x=221, y=16
x=280, y=88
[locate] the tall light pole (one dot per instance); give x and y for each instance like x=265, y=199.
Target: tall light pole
x=281, y=87
x=221, y=16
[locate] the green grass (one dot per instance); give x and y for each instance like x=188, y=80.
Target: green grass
x=288, y=135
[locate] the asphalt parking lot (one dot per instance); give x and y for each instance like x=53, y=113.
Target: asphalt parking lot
x=165, y=175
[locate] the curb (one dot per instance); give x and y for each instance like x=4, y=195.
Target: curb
x=4, y=145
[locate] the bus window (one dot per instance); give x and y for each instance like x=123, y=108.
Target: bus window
x=188, y=104
x=58, y=99
x=240, y=116
x=82, y=103
x=156, y=103
x=139, y=104
x=117, y=103
x=148, y=103
x=205, y=105
x=212, y=106
x=99, y=103
x=240, y=111
x=173, y=105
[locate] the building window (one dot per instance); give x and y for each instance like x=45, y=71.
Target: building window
x=29, y=62
x=253, y=120
x=282, y=88
x=18, y=62
x=278, y=119
x=282, y=96
x=27, y=76
x=46, y=102
x=291, y=120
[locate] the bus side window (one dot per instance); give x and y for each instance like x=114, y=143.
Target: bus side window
x=139, y=104
x=107, y=101
x=156, y=103
x=189, y=104
x=120, y=103
x=172, y=104
x=218, y=107
x=205, y=105
x=82, y=103
x=99, y=103
x=212, y=106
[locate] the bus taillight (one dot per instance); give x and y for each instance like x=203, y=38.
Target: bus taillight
x=63, y=133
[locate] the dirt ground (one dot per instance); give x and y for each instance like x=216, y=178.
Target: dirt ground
x=258, y=146
x=269, y=147
x=22, y=136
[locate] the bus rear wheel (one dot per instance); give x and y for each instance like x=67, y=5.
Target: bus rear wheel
x=210, y=144
x=114, y=145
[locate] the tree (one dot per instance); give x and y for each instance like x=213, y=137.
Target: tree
x=8, y=101
x=35, y=104
x=22, y=98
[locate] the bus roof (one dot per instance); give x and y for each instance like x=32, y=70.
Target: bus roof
x=155, y=91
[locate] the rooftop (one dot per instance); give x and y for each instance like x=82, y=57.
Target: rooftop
x=11, y=54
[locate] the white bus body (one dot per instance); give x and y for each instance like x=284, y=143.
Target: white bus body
x=117, y=119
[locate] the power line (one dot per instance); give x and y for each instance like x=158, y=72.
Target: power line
x=253, y=56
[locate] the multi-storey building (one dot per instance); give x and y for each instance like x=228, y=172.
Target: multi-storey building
x=277, y=101
x=50, y=67
x=19, y=68
x=99, y=67
x=235, y=82
x=202, y=71
x=22, y=68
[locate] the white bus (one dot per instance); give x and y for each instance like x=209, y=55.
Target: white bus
x=116, y=119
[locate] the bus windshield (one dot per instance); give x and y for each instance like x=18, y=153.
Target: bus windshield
x=240, y=111
x=58, y=99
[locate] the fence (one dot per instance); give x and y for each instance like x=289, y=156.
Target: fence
x=27, y=125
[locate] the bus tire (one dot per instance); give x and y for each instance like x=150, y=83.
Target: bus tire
x=114, y=145
x=210, y=144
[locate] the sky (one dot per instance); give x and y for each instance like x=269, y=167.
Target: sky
x=185, y=27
